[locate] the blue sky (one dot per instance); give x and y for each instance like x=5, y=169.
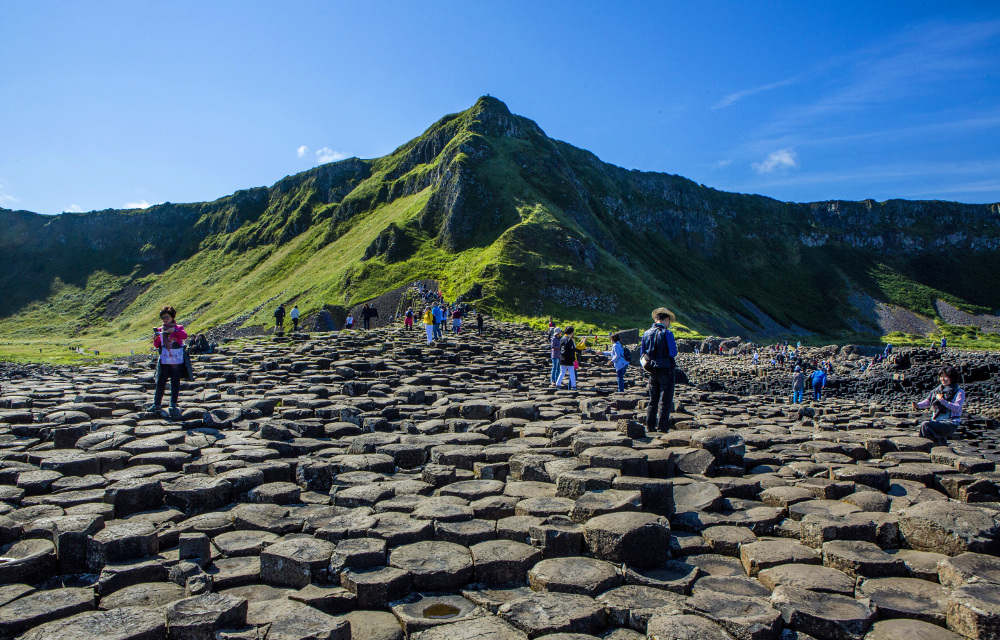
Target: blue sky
x=115, y=104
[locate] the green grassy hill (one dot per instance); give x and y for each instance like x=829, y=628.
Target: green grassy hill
x=524, y=225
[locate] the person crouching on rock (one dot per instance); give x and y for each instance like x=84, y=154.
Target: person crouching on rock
x=947, y=400
x=169, y=339
x=659, y=348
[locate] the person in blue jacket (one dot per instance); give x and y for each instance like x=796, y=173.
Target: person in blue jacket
x=617, y=355
x=818, y=379
x=657, y=350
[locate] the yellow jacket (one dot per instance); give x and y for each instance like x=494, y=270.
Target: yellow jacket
x=428, y=318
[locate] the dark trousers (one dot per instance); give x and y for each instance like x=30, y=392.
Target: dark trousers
x=172, y=371
x=621, y=378
x=817, y=391
x=295, y=324
x=365, y=321
x=661, y=400
x=938, y=430
x=479, y=328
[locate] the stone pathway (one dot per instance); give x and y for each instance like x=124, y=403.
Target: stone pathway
x=371, y=486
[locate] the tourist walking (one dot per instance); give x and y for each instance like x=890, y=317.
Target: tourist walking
x=798, y=384
x=294, y=315
x=429, y=324
x=279, y=319
x=658, y=350
x=568, y=356
x=479, y=323
x=947, y=400
x=169, y=340
x=818, y=381
x=349, y=323
x=617, y=355
x=555, y=352
x=456, y=321
x=366, y=316
x=408, y=322
x=438, y=314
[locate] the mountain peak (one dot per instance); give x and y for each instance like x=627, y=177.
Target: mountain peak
x=493, y=118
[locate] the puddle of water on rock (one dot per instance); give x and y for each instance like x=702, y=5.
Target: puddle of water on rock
x=441, y=611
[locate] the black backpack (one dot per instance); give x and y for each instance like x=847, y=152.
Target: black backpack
x=626, y=353
x=567, y=348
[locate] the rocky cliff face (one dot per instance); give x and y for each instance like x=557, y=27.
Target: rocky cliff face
x=567, y=231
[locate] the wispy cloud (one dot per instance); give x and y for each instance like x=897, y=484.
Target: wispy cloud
x=780, y=159
x=73, y=208
x=733, y=98
x=326, y=154
x=142, y=204
x=302, y=151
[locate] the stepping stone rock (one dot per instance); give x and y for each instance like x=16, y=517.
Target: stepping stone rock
x=503, y=561
x=150, y=595
x=376, y=587
x=907, y=598
x=969, y=567
x=29, y=561
x=974, y=611
x=546, y=612
x=309, y=624
x=419, y=613
x=435, y=566
x=481, y=628
x=770, y=553
x=673, y=575
x=632, y=605
x=41, y=607
x=235, y=544
x=198, y=618
x=596, y=503
x=583, y=576
x=950, y=528
x=749, y=618
x=856, y=558
x=733, y=586
x=910, y=630
x=823, y=615
x=195, y=494
x=296, y=562
x=120, y=541
x=131, y=623
x=635, y=539
x=807, y=576
x=727, y=540
x=684, y=627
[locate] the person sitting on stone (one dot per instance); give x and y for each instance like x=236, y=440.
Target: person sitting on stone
x=947, y=400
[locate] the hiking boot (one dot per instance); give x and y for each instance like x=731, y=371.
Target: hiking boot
x=154, y=408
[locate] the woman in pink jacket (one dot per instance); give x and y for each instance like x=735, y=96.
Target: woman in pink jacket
x=169, y=339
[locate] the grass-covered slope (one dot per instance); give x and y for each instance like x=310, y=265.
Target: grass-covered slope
x=526, y=226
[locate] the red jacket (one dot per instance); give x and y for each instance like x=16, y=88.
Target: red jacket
x=178, y=336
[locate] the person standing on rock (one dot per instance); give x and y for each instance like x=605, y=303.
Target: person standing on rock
x=479, y=323
x=408, y=323
x=456, y=321
x=617, y=355
x=798, y=384
x=169, y=340
x=429, y=324
x=294, y=315
x=818, y=381
x=555, y=352
x=658, y=350
x=567, y=359
x=279, y=319
x=349, y=322
x=438, y=314
x=944, y=343
x=366, y=316
x=947, y=400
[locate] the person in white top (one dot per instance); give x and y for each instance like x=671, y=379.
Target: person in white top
x=294, y=315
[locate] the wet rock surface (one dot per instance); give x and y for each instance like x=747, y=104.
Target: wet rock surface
x=369, y=485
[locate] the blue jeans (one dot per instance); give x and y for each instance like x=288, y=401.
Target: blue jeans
x=437, y=331
x=555, y=370
x=621, y=378
x=567, y=369
x=797, y=396
x=817, y=391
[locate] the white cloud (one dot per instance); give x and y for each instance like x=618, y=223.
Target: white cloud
x=780, y=159
x=326, y=154
x=302, y=151
x=723, y=163
x=142, y=204
x=6, y=198
x=733, y=98
x=73, y=208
